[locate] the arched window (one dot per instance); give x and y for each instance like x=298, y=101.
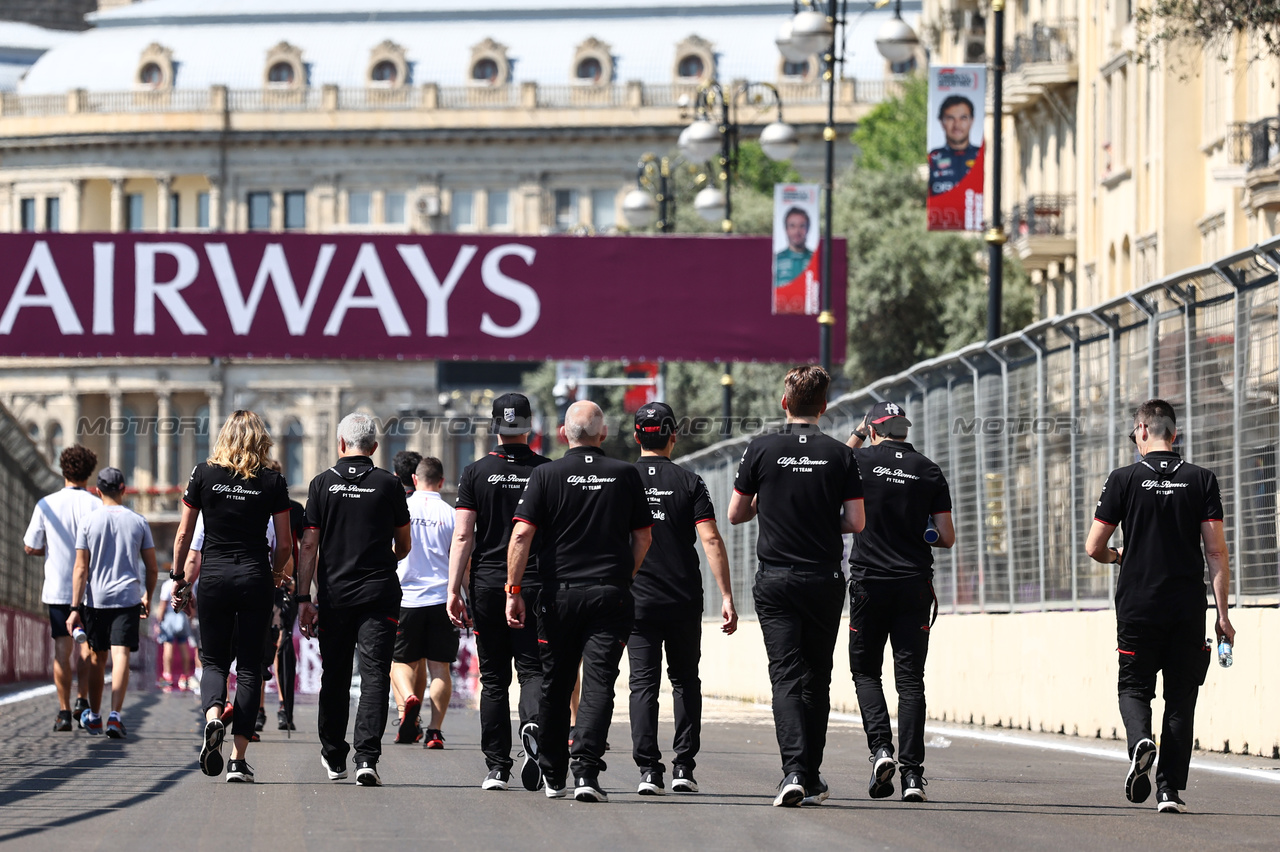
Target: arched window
x=291, y=452
x=796, y=70
x=485, y=71
x=56, y=444
x=385, y=73
x=202, y=435
x=590, y=70
x=281, y=74
x=151, y=76
x=129, y=445
x=691, y=67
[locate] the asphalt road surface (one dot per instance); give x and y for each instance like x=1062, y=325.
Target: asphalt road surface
x=987, y=791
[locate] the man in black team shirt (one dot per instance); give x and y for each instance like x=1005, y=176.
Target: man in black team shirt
x=668, y=595
x=805, y=487
x=488, y=493
x=357, y=531
x=1167, y=508
x=891, y=590
x=594, y=518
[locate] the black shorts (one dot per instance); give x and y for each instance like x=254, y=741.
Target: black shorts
x=112, y=627
x=58, y=615
x=425, y=633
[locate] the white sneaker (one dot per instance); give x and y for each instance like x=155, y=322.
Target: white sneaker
x=497, y=779
x=555, y=792
x=336, y=773
x=367, y=774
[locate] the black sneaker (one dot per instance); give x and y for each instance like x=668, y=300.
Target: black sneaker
x=367, y=774
x=530, y=772
x=62, y=722
x=336, y=771
x=790, y=792
x=239, y=772
x=261, y=721
x=651, y=783
x=682, y=780
x=882, y=769
x=497, y=779
x=554, y=789
x=1169, y=802
x=283, y=722
x=77, y=710
x=587, y=789
x=913, y=787
x=816, y=794
x=211, y=751
x=1137, y=785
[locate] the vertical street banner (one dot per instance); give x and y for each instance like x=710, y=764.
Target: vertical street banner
x=957, y=100
x=795, y=249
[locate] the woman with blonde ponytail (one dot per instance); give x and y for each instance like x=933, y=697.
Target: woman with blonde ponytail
x=237, y=494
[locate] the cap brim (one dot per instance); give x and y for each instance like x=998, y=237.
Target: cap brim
x=904, y=420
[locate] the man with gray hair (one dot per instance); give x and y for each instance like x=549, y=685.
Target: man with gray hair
x=355, y=534
x=593, y=516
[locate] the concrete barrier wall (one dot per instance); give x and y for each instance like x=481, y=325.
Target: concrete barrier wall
x=1053, y=671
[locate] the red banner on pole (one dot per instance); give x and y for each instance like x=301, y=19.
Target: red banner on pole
x=490, y=298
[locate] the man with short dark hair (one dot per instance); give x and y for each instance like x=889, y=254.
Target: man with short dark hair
x=949, y=164
x=595, y=517
x=405, y=464
x=1167, y=508
x=488, y=493
x=668, y=596
x=357, y=530
x=891, y=590
x=115, y=575
x=52, y=534
x=426, y=643
x=804, y=487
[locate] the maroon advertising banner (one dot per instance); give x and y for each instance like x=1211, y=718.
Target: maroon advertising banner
x=416, y=297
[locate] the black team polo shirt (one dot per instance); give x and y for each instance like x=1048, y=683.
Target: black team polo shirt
x=903, y=490
x=586, y=505
x=357, y=508
x=236, y=512
x=491, y=487
x=801, y=478
x=669, y=584
x=1159, y=504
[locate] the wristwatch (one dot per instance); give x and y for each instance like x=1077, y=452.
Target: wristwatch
x=1115, y=561
x=302, y=598
x=510, y=589
x=178, y=576
x=861, y=436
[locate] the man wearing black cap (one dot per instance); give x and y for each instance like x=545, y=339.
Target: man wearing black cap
x=805, y=488
x=908, y=512
x=1168, y=508
x=115, y=574
x=488, y=492
x=668, y=595
x=594, y=516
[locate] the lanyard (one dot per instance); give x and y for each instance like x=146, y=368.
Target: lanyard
x=1168, y=475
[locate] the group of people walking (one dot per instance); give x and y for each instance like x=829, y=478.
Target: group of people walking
x=561, y=566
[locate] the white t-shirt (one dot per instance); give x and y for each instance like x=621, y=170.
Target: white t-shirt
x=424, y=573
x=115, y=538
x=54, y=525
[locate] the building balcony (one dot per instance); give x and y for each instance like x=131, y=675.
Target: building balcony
x=1040, y=61
x=1253, y=144
x=1042, y=230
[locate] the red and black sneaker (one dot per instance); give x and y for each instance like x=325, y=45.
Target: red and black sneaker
x=408, y=731
x=435, y=739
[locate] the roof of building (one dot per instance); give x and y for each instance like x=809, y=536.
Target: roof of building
x=225, y=42
x=20, y=45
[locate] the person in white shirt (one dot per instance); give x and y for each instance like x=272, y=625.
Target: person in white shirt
x=52, y=534
x=114, y=577
x=426, y=641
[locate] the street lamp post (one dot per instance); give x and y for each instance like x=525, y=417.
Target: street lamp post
x=996, y=236
x=653, y=201
x=816, y=27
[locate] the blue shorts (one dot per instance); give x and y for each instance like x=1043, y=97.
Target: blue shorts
x=174, y=627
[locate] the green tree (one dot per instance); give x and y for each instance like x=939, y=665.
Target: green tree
x=893, y=133
x=1211, y=23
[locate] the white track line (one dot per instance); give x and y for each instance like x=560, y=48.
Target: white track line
x=33, y=692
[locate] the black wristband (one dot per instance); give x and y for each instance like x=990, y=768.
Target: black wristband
x=1115, y=561
x=861, y=436
x=302, y=598
x=178, y=577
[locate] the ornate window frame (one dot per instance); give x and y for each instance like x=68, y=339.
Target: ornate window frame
x=598, y=50
x=287, y=54
x=695, y=46
x=160, y=56
x=497, y=53
x=391, y=52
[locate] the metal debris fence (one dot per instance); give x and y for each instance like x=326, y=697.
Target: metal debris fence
x=1027, y=427
x=24, y=479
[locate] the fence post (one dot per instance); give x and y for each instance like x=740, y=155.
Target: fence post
x=1239, y=356
x=980, y=489
x=1041, y=475
x=954, y=481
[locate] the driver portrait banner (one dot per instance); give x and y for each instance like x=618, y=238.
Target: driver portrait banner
x=409, y=296
x=957, y=118
x=796, y=260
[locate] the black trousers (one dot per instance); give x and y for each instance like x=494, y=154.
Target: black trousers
x=235, y=615
x=897, y=611
x=683, y=640
x=800, y=618
x=1178, y=650
x=497, y=647
x=371, y=628
x=286, y=656
x=587, y=626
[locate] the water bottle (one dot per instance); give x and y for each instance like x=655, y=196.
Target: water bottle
x=931, y=533
x=1224, y=654
x=79, y=635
